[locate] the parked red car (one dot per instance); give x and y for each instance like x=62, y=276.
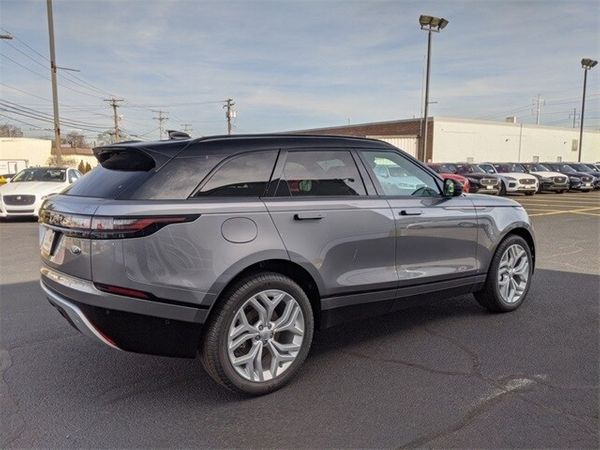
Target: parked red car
x=446, y=172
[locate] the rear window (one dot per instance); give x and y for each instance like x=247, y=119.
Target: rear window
x=118, y=172
x=106, y=183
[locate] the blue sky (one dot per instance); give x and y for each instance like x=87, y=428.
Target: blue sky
x=300, y=64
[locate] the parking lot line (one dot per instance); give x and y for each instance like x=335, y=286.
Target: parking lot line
x=571, y=211
x=561, y=200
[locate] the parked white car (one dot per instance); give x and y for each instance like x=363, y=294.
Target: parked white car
x=23, y=195
x=515, y=178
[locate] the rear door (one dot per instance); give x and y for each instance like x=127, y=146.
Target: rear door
x=436, y=237
x=332, y=224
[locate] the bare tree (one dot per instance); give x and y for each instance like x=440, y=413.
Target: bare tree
x=76, y=140
x=8, y=130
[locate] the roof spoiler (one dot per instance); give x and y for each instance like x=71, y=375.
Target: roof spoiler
x=176, y=135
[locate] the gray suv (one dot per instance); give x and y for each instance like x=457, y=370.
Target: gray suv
x=238, y=247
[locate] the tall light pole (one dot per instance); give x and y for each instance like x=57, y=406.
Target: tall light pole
x=435, y=25
x=586, y=64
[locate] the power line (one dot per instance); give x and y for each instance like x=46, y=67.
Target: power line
x=66, y=75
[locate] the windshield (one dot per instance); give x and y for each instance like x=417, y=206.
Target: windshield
x=470, y=169
x=510, y=168
x=564, y=168
x=443, y=168
x=581, y=167
x=538, y=168
x=40, y=174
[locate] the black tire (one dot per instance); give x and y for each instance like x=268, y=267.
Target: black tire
x=561, y=192
x=213, y=347
x=489, y=297
x=529, y=193
x=502, y=188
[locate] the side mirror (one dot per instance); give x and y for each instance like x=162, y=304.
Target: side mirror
x=452, y=188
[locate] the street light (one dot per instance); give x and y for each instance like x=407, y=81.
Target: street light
x=586, y=64
x=429, y=24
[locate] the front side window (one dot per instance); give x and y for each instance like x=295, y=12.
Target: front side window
x=398, y=176
x=320, y=173
x=246, y=175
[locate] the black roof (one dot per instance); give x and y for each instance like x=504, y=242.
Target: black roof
x=252, y=140
x=161, y=151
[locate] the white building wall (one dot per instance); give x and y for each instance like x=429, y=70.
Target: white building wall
x=471, y=140
x=25, y=151
x=407, y=143
x=19, y=153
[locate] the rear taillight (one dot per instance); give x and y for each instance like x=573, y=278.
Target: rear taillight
x=124, y=227
x=102, y=227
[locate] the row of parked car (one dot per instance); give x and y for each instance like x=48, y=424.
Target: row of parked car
x=526, y=178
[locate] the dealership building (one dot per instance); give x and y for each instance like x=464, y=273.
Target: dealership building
x=456, y=139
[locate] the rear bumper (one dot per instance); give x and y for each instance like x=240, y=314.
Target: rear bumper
x=141, y=326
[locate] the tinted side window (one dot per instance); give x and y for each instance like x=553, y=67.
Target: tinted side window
x=399, y=176
x=246, y=175
x=320, y=173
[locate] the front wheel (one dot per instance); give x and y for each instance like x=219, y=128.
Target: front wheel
x=260, y=334
x=509, y=276
x=529, y=193
x=502, y=189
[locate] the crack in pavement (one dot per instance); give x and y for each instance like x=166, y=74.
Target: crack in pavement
x=7, y=401
x=515, y=384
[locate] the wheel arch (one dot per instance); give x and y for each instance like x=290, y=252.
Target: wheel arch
x=526, y=235
x=285, y=267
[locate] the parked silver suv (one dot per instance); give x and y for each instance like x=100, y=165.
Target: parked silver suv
x=238, y=247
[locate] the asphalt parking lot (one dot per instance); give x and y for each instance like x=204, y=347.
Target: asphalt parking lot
x=443, y=375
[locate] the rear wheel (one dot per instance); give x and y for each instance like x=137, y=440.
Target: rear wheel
x=509, y=276
x=260, y=334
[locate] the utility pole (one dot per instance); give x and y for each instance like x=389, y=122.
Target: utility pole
x=187, y=127
x=539, y=102
x=162, y=117
x=57, y=142
x=114, y=102
x=230, y=113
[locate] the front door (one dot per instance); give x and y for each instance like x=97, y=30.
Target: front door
x=436, y=236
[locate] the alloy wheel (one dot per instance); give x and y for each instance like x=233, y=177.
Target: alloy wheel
x=266, y=335
x=513, y=273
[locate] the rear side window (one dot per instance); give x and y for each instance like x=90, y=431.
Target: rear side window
x=246, y=175
x=320, y=173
